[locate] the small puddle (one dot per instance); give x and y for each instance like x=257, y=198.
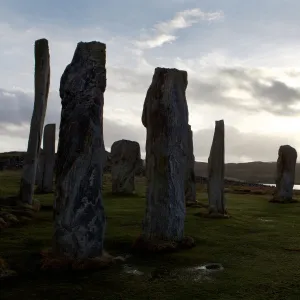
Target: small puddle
x=129, y=269
x=265, y=220
x=198, y=273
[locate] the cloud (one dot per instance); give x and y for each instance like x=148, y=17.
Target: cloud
x=163, y=32
x=239, y=145
x=16, y=111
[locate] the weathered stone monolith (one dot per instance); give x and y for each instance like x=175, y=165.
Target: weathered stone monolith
x=125, y=159
x=40, y=168
x=285, y=174
x=165, y=116
x=190, y=180
x=216, y=165
x=41, y=85
x=45, y=185
x=78, y=208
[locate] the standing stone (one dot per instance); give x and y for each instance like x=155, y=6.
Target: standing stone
x=216, y=164
x=41, y=85
x=165, y=116
x=285, y=174
x=190, y=181
x=79, y=219
x=47, y=160
x=125, y=159
x=40, y=169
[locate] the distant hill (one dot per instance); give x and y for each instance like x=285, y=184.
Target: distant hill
x=256, y=172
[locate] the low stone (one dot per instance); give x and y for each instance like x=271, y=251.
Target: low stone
x=3, y=224
x=285, y=174
x=9, y=218
x=5, y=272
x=51, y=262
x=162, y=246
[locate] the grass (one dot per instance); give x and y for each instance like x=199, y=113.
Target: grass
x=250, y=245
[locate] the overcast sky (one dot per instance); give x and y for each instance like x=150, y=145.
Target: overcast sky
x=242, y=59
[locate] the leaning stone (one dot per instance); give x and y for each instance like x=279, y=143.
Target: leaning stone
x=215, y=186
x=165, y=116
x=285, y=174
x=79, y=219
x=42, y=82
x=125, y=160
x=190, y=180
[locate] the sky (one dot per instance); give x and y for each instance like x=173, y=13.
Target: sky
x=241, y=58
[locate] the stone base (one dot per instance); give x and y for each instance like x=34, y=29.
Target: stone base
x=5, y=272
x=52, y=262
x=212, y=215
x=195, y=204
x=160, y=246
x=17, y=213
x=283, y=201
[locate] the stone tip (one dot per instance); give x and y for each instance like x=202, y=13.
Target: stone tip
x=50, y=125
x=219, y=122
x=92, y=50
x=161, y=70
x=41, y=44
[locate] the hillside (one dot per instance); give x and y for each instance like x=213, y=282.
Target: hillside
x=262, y=172
x=257, y=171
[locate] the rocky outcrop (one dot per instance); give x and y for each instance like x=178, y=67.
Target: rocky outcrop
x=42, y=82
x=125, y=160
x=78, y=208
x=165, y=116
x=285, y=174
x=190, y=180
x=215, y=187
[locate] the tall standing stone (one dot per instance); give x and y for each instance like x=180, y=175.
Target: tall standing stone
x=41, y=85
x=165, y=116
x=190, y=181
x=285, y=174
x=78, y=209
x=125, y=159
x=216, y=166
x=45, y=185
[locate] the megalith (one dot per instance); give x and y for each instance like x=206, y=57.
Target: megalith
x=165, y=116
x=190, y=180
x=216, y=166
x=41, y=90
x=79, y=218
x=285, y=174
x=47, y=160
x=125, y=159
x=39, y=168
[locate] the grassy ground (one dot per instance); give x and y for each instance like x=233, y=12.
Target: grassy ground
x=250, y=245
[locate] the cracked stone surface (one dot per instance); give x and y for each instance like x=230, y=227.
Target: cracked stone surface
x=165, y=116
x=79, y=216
